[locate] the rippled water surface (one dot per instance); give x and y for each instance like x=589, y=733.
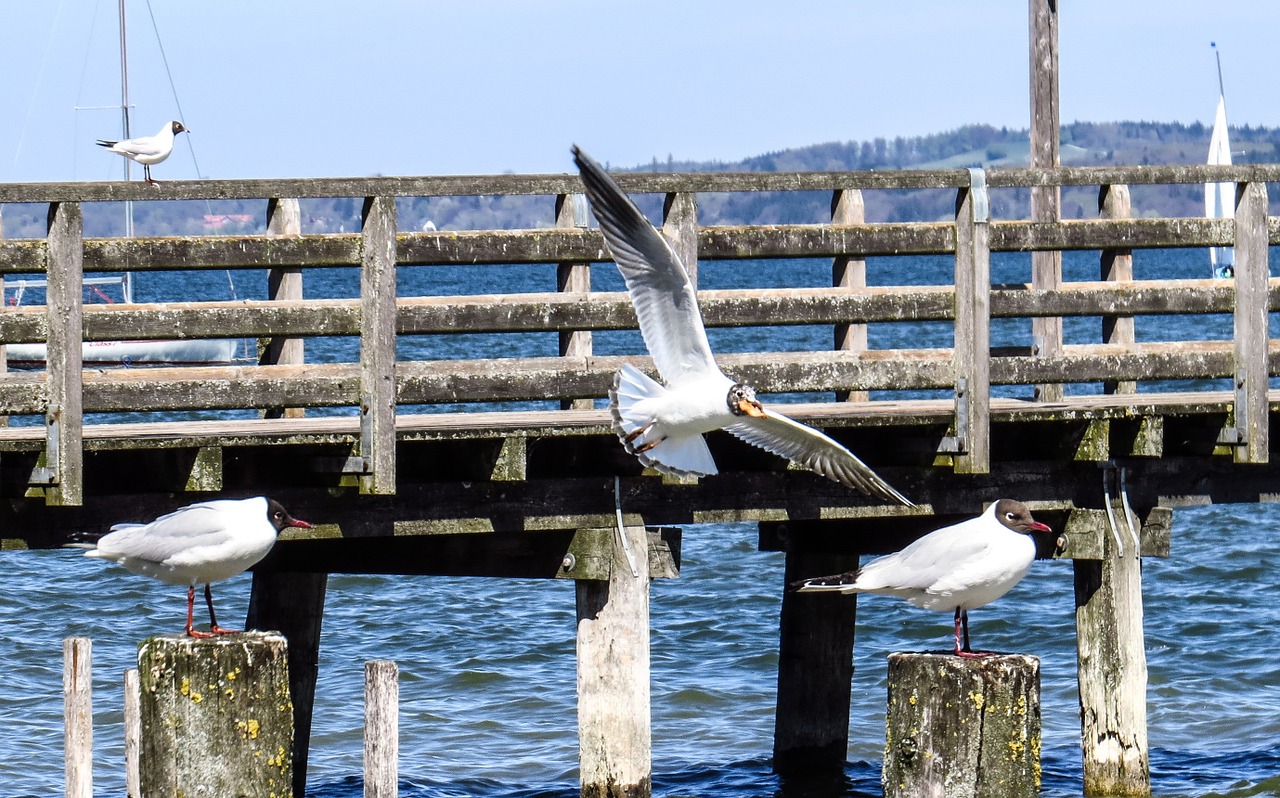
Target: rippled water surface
x=487, y=668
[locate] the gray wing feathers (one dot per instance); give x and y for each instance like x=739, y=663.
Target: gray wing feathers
x=814, y=450
x=177, y=532
x=665, y=302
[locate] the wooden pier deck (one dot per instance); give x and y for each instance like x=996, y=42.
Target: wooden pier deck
x=513, y=486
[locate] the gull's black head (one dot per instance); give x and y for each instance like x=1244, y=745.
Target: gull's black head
x=177, y=126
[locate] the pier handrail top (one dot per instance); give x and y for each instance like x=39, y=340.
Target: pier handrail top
x=634, y=182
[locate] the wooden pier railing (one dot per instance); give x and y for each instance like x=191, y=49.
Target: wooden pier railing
x=521, y=450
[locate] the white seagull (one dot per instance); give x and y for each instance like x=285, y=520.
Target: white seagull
x=147, y=150
x=959, y=567
x=199, y=543
x=663, y=424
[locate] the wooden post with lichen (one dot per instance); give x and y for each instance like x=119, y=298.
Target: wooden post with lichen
x=216, y=716
x=962, y=727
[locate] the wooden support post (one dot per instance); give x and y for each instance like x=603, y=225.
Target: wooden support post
x=381, y=729
x=293, y=605
x=132, y=732
x=613, y=676
x=1046, y=201
x=847, y=272
x=962, y=727
x=1117, y=266
x=77, y=710
x=815, y=670
x=973, y=329
x=1112, y=668
x=378, y=346
x=680, y=226
x=64, y=417
x=284, y=218
x=571, y=212
x=1252, y=330
x=216, y=716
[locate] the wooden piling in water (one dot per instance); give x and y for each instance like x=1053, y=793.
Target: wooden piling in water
x=959, y=726
x=77, y=707
x=381, y=729
x=132, y=732
x=1112, y=670
x=216, y=716
x=815, y=669
x=613, y=674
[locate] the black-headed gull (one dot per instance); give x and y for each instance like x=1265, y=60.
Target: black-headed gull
x=199, y=543
x=147, y=150
x=959, y=567
x=663, y=424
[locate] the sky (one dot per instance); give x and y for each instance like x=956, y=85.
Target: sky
x=321, y=88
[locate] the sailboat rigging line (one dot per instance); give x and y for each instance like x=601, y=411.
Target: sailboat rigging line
x=172, y=87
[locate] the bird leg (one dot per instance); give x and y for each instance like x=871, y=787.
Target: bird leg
x=213, y=621
x=146, y=175
x=962, y=623
x=191, y=611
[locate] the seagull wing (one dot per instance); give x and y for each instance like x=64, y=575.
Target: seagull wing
x=814, y=450
x=930, y=563
x=190, y=527
x=143, y=146
x=665, y=302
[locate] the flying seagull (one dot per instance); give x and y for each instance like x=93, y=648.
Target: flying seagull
x=663, y=424
x=959, y=567
x=147, y=150
x=199, y=543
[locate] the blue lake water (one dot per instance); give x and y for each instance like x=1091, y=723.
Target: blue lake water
x=487, y=666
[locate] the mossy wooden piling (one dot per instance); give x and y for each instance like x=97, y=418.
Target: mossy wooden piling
x=962, y=727
x=77, y=712
x=217, y=719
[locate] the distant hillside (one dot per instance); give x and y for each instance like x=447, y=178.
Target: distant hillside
x=1083, y=143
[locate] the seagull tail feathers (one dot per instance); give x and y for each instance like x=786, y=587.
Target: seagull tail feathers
x=107, y=143
x=685, y=456
x=836, y=583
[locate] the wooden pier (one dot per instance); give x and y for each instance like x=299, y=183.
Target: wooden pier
x=507, y=487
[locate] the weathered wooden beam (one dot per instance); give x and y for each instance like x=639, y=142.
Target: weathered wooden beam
x=680, y=227
x=1046, y=201
x=381, y=729
x=64, y=416
x=378, y=346
x=848, y=275
x=815, y=669
x=614, y=736
x=1252, y=324
x=1112, y=663
x=972, y=353
x=291, y=603
x=284, y=218
x=77, y=710
x=215, y=716
x=964, y=728
x=1116, y=265
x=573, y=279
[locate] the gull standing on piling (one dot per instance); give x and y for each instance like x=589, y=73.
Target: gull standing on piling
x=147, y=150
x=200, y=543
x=663, y=425
x=959, y=567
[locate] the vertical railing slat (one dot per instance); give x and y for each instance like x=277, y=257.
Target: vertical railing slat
x=1116, y=266
x=63, y=359
x=973, y=329
x=680, y=226
x=848, y=272
x=284, y=218
x=378, y=346
x=1252, y=331
x=1046, y=267
x=571, y=212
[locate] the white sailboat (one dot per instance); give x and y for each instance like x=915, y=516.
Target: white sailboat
x=185, y=352
x=1220, y=198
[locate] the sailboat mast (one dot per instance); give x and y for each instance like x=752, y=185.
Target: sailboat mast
x=1222, y=92
x=124, y=122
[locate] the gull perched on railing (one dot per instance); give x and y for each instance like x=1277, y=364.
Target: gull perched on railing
x=146, y=150
x=663, y=425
